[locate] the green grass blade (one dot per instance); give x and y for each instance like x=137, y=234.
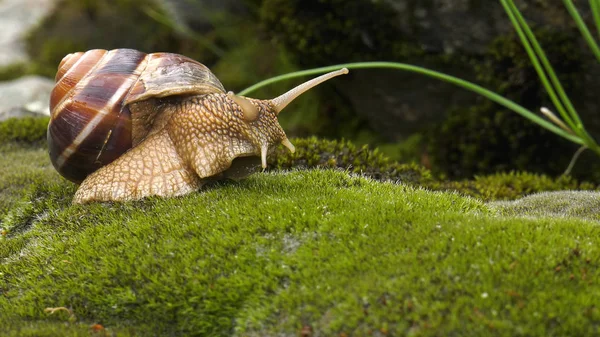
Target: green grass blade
x=522, y=28
x=447, y=78
x=583, y=28
x=531, y=44
x=595, y=7
x=571, y=113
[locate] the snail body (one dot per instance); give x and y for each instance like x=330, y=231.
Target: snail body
x=127, y=125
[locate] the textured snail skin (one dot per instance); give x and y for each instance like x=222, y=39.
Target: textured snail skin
x=128, y=125
x=193, y=140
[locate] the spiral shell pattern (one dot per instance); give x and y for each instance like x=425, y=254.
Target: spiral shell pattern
x=90, y=123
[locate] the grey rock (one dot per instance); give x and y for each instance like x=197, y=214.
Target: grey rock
x=200, y=15
x=467, y=26
x=396, y=103
x=578, y=204
x=17, y=17
x=26, y=96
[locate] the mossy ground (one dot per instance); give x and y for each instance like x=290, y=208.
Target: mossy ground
x=309, y=253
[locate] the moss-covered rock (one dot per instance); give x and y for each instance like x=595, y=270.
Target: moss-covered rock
x=486, y=138
x=507, y=69
x=509, y=186
x=286, y=253
x=566, y=204
x=29, y=130
x=344, y=155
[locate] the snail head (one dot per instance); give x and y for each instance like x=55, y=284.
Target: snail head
x=261, y=115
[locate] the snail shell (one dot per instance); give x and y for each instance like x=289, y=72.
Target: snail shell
x=129, y=125
x=91, y=104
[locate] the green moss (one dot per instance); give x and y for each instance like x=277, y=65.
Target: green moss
x=318, y=153
x=409, y=150
x=14, y=71
x=512, y=185
x=22, y=167
x=279, y=252
x=25, y=161
x=484, y=139
x=64, y=329
x=283, y=251
x=24, y=130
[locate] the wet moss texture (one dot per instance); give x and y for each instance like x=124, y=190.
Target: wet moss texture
x=311, y=247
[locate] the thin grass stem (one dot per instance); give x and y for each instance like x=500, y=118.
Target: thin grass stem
x=444, y=77
x=529, y=42
x=595, y=7
x=570, y=115
x=583, y=28
x=574, y=159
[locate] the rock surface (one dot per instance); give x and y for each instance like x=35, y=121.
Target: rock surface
x=26, y=96
x=16, y=18
x=453, y=36
x=579, y=204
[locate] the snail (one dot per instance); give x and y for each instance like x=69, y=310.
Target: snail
x=127, y=125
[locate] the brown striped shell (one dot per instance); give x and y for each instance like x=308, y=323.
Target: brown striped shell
x=90, y=123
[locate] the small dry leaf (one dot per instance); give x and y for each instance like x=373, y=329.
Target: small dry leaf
x=97, y=327
x=53, y=310
x=306, y=331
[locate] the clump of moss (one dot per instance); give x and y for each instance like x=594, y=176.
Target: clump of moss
x=486, y=138
x=22, y=167
x=351, y=30
x=14, y=71
x=283, y=253
x=511, y=185
x=318, y=153
x=310, y=153
x=31, y=130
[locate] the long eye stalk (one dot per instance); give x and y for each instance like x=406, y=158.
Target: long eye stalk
x=285, y=99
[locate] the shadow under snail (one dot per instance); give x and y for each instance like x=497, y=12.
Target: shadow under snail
x=128, y=125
